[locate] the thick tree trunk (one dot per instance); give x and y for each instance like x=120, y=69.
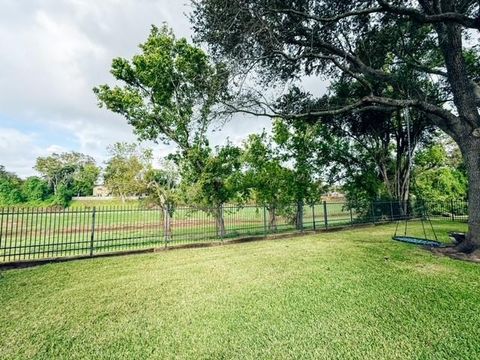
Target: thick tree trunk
x=219, y=221
x=466, y=130
x=272, y=221
x=471, y=153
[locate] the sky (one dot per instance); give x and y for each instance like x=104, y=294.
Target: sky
x=54, y=52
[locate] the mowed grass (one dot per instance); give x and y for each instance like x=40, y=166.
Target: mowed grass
x=352, y=294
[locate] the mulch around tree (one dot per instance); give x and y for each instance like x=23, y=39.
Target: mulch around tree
x=454, y=253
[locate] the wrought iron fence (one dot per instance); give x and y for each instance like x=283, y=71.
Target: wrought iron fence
x=34, y=233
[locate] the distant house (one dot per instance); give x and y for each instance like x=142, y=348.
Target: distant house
x=334, y=195
x=101, y=191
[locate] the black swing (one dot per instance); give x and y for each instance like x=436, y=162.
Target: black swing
x=423, y=214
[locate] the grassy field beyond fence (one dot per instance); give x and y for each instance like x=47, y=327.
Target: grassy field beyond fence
x=35, y=233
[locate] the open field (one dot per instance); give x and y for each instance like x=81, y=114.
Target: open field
x=105, y=203
x=36, y=233
x=353, y=294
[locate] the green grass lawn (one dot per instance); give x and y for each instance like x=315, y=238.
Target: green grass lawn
x=353, y=294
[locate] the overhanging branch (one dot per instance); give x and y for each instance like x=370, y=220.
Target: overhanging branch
x=364, y=104
x=385, y=6
x=418, y=16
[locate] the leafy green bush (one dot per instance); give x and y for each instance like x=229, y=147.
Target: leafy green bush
x=35, y=190
x=63, y=196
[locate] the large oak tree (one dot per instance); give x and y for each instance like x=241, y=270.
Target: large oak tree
x=436, y=40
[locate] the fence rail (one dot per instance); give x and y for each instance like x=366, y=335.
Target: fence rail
x=30, y=234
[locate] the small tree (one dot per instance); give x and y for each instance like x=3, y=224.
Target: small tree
x=303, y=146
x=126, y=169
x=266, y=177
x=217, y=183
x=10, y=188
x=167, y=94
x=35, y=189
x=161, y=187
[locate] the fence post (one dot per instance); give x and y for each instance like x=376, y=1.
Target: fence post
x=264, y=220
x=325, y=216
x=222, y=219
x=452, y=210
x=165, y=224
x=1, y=225
x=373, y=212
x=92, y=234
x=313, y=216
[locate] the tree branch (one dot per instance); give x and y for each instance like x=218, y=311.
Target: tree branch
x=370, y=102
x=418, y=16
x=332, y=18
x=333, y=59
x=414, y=14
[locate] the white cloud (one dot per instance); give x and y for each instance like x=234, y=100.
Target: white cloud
x=55, y=149
x=17, y=150
x=54, y=53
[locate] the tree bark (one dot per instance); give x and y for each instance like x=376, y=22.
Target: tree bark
x=471, y=152
x=219, y=221
x=299, y=216
x=272, y=221
x=465, y=132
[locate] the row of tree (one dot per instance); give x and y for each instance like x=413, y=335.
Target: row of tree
x=275, y=172
x=208, y=178
x=172, y=92
x=280, y=172
x=62, y=176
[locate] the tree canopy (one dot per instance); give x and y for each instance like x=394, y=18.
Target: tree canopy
x=126, y=169
x=167, y=95
x=168, y=90
x=72, y=170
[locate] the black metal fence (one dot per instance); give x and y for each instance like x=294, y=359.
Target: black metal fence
x=398, y=210
x=34, y=233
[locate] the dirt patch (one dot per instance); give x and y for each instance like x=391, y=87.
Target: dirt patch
x=431, y=269
x=454, y=253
